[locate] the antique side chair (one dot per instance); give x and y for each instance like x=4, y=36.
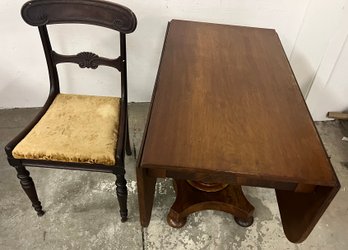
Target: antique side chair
x=76, y=132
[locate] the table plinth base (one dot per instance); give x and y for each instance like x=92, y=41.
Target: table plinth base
x=189, y=199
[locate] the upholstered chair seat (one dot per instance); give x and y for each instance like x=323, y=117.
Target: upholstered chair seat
x=75, y=128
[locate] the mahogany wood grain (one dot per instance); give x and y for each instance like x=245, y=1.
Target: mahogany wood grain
x=301, y=211
x=220, y=105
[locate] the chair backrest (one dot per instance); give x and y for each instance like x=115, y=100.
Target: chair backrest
x=96, y=12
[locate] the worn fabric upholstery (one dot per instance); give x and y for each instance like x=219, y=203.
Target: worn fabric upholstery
x=75, y=128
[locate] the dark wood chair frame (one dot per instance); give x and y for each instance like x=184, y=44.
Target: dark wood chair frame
x=109, y=15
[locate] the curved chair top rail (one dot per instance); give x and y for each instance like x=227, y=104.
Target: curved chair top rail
x=95, y=12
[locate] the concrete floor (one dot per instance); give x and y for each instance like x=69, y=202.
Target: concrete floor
x=82, y=211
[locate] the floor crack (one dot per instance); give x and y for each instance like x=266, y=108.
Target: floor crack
x=143, y=237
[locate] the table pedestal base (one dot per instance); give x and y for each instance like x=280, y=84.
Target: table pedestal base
x=229, y=199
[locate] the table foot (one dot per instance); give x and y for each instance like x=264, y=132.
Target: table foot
x=190, y=199
x=175, y=220
x=244, y=222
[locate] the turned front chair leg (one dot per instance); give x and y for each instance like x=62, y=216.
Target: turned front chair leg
x=29, y=188
x=121, y=191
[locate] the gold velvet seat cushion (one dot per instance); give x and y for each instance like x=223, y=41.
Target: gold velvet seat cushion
x=75, y=128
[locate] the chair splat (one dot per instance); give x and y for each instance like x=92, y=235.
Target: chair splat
x=87, y=60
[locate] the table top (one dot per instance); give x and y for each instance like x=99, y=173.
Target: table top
x=226, y=100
